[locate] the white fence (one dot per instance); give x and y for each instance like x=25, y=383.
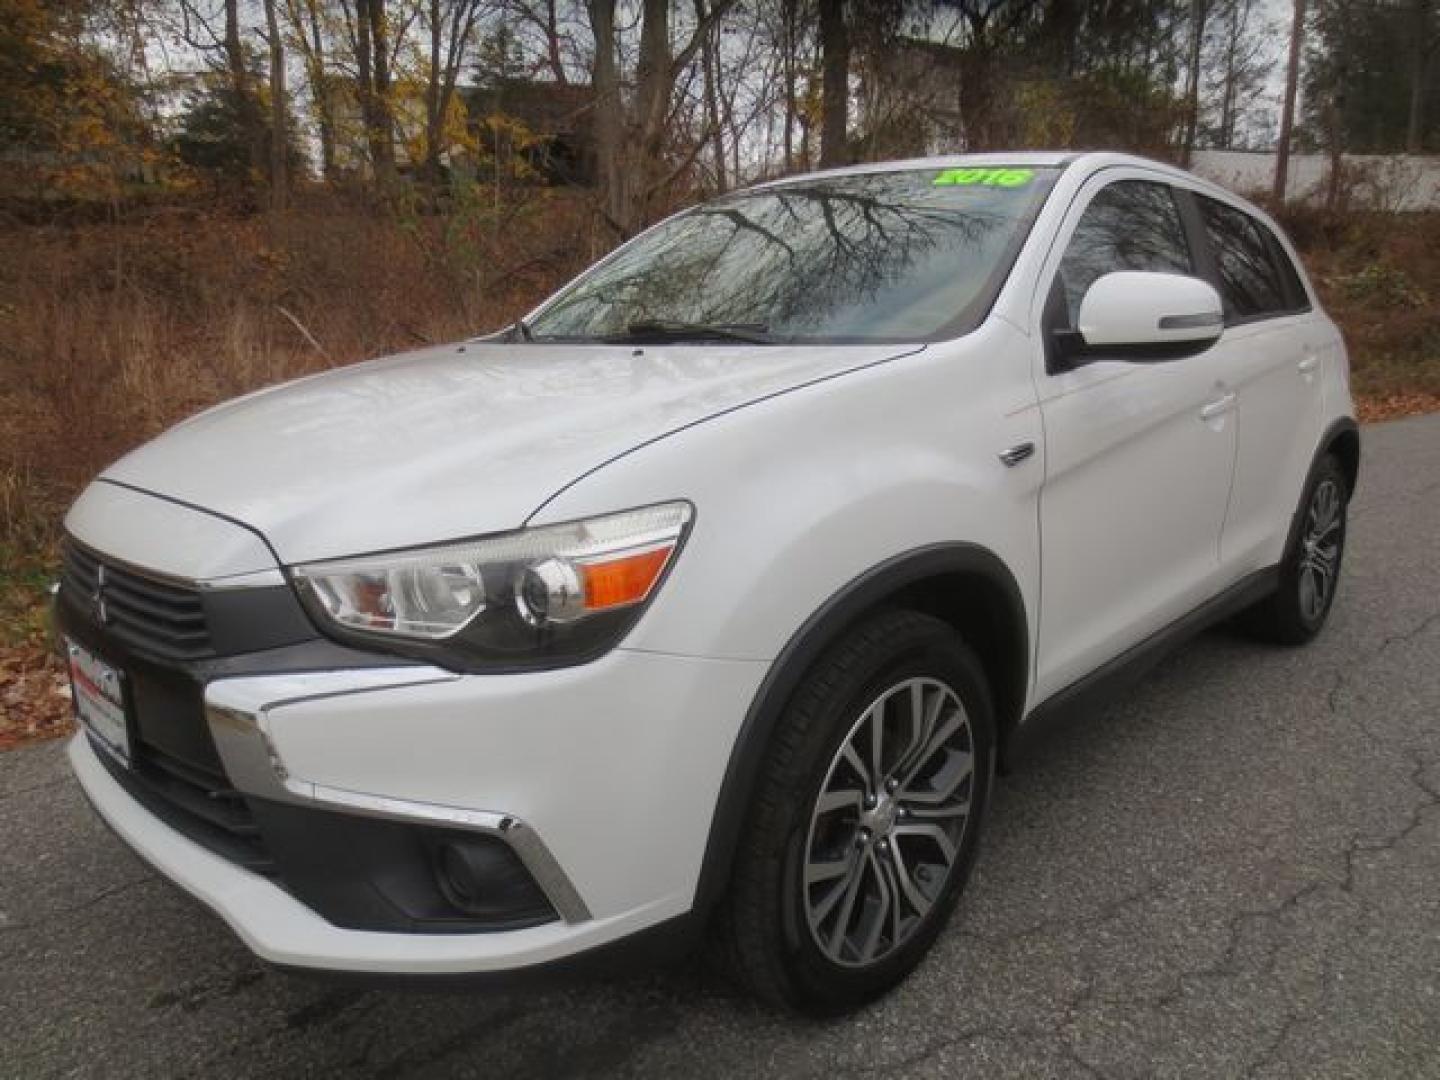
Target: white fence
x=1368, y=181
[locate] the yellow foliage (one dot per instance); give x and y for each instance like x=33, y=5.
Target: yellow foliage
x=64, y=103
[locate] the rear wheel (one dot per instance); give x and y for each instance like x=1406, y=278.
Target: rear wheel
x=866, y=819
x=1310, y=570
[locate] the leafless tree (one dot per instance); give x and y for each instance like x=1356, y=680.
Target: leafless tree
x=1424, y=42
x=1199, y=9
x=279, y=110
x=631, y=128
x=1287, y=113
x=310, y=33
x=372, y=42
x=835, y=82
x=246, y=101
x=451, y=26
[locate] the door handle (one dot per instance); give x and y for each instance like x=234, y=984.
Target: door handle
x=1308, y=365
x=1219, y=407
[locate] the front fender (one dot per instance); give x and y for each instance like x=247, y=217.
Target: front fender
x=799, y=494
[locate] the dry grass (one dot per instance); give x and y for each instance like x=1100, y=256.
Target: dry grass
x=1379, y=277
x=110, y=333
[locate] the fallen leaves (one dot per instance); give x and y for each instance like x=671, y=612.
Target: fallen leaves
x=34, y=696
x=1372, y=408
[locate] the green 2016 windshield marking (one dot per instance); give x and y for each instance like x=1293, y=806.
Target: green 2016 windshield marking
x=1006, y=178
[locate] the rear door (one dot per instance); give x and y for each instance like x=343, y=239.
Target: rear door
x=1139, y=451
x=1272, y=355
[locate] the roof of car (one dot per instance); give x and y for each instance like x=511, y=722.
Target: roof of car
x=1039, y=159
x=1090, y=160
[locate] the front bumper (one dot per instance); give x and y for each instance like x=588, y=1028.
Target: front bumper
x=319, y=797
x=281, y=930
x=607, y=774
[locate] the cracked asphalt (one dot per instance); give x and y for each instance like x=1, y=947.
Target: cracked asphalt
x=1233, y=871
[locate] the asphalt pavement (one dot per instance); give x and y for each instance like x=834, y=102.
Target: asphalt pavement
x=1232, y=871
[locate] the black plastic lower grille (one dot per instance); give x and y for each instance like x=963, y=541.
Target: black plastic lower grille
x=195, y=802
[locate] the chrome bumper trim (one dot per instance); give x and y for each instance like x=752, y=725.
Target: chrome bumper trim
x=237, y=712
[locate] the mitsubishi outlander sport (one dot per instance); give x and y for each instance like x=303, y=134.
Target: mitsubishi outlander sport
x=711, y=595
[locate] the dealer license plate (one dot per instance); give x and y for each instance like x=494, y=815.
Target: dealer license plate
x=99, y=693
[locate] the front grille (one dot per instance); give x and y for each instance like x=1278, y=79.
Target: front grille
x=144, y=613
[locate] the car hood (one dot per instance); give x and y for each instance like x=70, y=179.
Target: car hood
x=453, y=441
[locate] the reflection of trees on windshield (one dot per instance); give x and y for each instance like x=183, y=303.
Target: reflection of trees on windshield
x=875, y=256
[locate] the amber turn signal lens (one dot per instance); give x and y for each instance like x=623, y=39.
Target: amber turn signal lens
x=626, y=580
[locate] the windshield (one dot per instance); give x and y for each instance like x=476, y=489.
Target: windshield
x=900, y=256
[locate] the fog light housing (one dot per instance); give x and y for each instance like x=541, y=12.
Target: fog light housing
x=482, y=878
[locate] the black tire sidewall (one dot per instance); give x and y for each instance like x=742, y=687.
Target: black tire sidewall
x=929, y=648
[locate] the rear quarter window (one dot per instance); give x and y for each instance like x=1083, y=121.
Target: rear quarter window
x=1257, y=278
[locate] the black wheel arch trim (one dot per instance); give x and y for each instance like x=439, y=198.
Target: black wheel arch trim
x=1344, y=428
x=868, y=591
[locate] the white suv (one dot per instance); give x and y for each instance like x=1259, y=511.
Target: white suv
x=712, y=594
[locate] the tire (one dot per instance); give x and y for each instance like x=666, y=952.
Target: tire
x=778, y=935
x=1310, y=570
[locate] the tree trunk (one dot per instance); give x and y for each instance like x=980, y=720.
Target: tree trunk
x=372, y=61
x=645, y=134
x=434, y=120
x=606, y=108
x=384, y=121
x=1059, y=31
x=835, y=82
x=1192, y=79
x=245, y=102
x=1335, y=150
x=709, y=62
x=452, y=23
x=552, y=44
x=1421, y=45
x=319, y=87
x=1226, y=133
x=1287, y=112
x=787, y=61
x=279, y=128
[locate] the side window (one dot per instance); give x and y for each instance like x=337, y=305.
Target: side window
x=1298, y=298
x=1252, y=283
x=1130, y=225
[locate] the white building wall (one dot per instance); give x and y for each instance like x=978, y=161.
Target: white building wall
x=1371, y=181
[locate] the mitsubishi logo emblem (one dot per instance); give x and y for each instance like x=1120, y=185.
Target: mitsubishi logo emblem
x=97, y=598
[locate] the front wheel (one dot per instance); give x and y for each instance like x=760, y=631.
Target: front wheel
x=866, y=819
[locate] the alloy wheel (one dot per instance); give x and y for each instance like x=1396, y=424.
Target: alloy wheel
x=889, y=823
x=1320, y=549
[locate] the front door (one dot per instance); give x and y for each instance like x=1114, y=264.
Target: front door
x=1139, y=452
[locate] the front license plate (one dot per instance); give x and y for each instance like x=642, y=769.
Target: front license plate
x=99, y=693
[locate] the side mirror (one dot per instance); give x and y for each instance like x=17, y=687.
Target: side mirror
x=1135, y=315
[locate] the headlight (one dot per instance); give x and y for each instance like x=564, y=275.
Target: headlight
x=538, y=597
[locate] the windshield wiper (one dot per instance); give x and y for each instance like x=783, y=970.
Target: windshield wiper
x=521, y=329
x=677, y=330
